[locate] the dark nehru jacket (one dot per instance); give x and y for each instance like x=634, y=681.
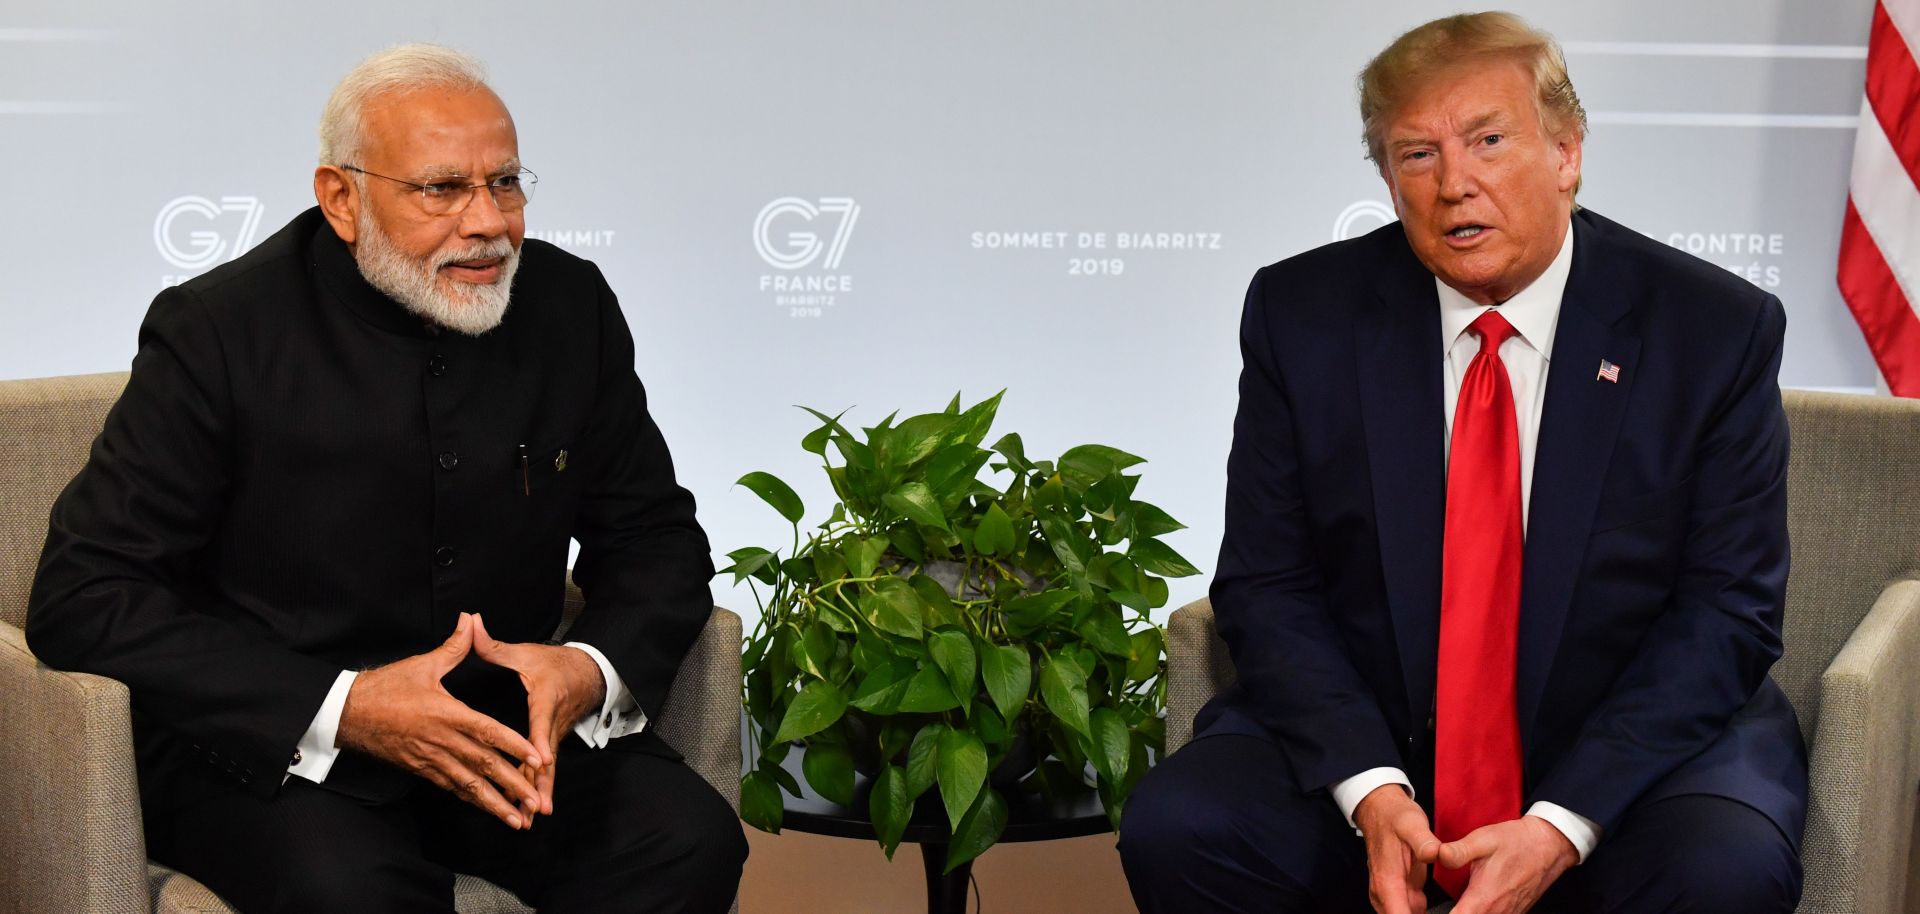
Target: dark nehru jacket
x=303, y=477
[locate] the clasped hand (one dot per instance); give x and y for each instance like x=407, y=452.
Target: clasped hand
x=402, y=714
x=1514, y=861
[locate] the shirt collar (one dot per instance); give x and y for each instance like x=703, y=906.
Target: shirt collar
x=1533, y=311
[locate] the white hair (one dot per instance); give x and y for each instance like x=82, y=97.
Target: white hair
x=401, y=68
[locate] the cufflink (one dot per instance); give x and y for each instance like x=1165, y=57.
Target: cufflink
x=607, y=721
x=296, y=759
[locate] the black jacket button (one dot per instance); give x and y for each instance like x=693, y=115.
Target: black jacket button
x=444, y=556
x=449, y=460
x=437, y=365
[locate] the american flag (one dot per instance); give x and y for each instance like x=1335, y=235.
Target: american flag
x=1608, y=372
x=1880, y=240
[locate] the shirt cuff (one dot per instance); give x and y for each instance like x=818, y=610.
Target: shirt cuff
x=1582, y=831
x=313, y=756
x=1347, y=794
x=619, y=715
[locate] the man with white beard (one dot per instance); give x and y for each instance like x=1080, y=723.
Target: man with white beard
x=323, y=540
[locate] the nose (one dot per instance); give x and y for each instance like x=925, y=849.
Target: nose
x=1459, y=177
x=482, y=218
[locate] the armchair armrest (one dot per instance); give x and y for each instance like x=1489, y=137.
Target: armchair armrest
x=701, y=719
x=70, y=836
x=1198, y=667
x=1866, y=763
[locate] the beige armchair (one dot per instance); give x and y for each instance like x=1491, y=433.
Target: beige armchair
x=1852, y=663
x=70, y=835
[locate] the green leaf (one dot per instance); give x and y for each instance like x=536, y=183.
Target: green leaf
x=1008, y=672
x=776, y=493
x=929, y=692
x=815, y=441
x=906, y=539
x=953, y=653
x=920, y=757
x=786, y=780
x=962, y=764
x=1063, y=686
x=892, y=607
x=1130, y=600
x=752, y=560
x=1051, y=494
x=1036, y=610
x=1149, y=521
x=816, y=649
x=939, y=607
x=1067, y=542
x=889, y=806
x=863, y=555
x=830, y=565
x=760, y=801
x=1157, y=557
x=832, y=422
x=1110, y=744
x=995, y=533
x=915, y=439
x=857, y=455
x=1104, y=631
x=950, y=474
x=1144, y=655
x=986, y=722
x=914, y=501
x=1015, y=453
x=978, y=829
x=1089, y=462
x=884, y=685
x=818, y=705
x=978, y=419
x=829, y=768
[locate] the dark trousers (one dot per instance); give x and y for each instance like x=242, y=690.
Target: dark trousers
x=1222, y=826
x=630, y=831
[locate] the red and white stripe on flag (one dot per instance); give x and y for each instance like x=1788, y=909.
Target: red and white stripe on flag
x=1880, y=240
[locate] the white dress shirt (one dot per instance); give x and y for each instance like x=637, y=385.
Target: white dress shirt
x=314, y=755
x=1534, y=312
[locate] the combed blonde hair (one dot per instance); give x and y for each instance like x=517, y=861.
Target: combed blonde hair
x=396, y=69
x=1413, y=59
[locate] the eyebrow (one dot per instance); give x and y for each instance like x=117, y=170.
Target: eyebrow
x=1479, y=123
x=432, y=172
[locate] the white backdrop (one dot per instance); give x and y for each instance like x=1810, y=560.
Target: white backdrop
x=956, y=164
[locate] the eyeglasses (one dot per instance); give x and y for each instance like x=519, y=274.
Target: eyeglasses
x=445, y=198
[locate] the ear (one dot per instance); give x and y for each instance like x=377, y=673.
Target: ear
x=339, y=200
x=1568, y=162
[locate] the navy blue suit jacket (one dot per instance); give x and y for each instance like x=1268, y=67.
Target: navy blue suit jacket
x=1656, y=553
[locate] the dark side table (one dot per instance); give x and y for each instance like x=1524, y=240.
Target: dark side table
x=1029, y=818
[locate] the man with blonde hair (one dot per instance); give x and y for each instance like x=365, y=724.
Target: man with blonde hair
x=1506, y=547
x=323, y=540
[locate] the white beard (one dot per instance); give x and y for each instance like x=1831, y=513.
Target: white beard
x=469, y=308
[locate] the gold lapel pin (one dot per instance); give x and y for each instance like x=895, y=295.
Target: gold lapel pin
x=560, y=461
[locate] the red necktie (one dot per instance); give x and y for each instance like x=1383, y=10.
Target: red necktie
x=1476, y=763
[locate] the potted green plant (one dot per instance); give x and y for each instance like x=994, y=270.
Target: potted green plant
x=940, y=630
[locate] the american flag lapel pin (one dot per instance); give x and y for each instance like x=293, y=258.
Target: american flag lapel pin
x=1609, y=372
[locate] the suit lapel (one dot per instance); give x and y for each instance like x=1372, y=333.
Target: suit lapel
x=1397, y=348
x=1578, y=426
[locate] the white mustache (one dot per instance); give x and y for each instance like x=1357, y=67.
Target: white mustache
x=485, y=250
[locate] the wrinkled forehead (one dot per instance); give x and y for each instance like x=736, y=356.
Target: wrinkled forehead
x=440, y=131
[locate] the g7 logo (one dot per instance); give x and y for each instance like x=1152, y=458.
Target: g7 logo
x=205, y=246
x=802, y=248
